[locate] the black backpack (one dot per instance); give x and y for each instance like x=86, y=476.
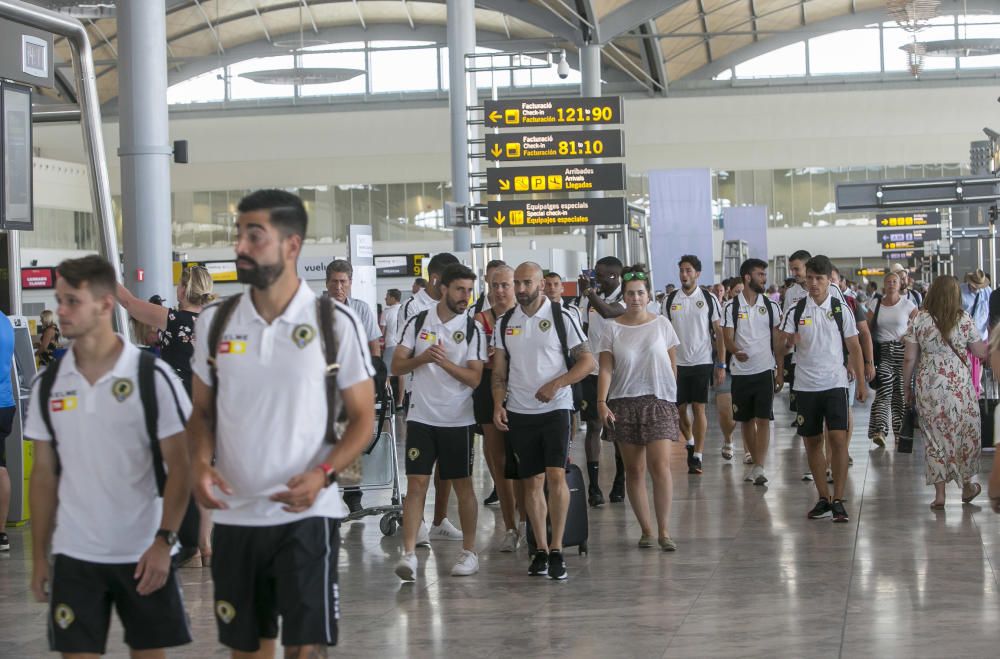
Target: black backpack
x=708, y=301
x=150, y=410
x=560, y=324
x=838, y=316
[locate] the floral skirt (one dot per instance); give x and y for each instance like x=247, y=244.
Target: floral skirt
x=642, y=420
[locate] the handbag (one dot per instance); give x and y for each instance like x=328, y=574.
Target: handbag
x=905, y=443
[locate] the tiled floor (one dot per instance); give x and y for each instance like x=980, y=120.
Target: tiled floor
x=752, y=578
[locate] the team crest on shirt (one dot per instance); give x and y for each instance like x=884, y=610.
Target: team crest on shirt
x=458, y=337
x=829, y=314
x=699, y=304
x=801, y=420
x=413, y=454
x=122, y=388
x=762, y=310
x=302, y=335
x=735, y=408
x=225, y=611
x=545, y=324
x=64, y=616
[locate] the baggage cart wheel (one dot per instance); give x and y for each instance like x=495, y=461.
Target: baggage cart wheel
x=388, y=524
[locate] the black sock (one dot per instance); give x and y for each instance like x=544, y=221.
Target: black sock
x=592, y=473
x=619, y=467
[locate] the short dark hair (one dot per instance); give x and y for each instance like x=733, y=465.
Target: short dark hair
x=554, y=275
x=691, y=260
x=456, y=271
x=287, y=212
x=610, y=262
x=395, y=294
x=420, y=281
x=750, y=265
x=93, y=270
x=638, y=267
x=340, y=265
x=495, y=263
x=439, y=262
x=819, y=265
x=833, y=269
x=800, y=255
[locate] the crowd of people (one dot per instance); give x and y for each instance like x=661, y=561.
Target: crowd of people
x=132, y=451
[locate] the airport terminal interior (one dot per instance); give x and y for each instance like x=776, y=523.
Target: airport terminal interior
x=706, y=141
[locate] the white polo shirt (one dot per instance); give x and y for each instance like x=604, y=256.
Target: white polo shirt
x=271, y=403
x=689, y=314
x=595, y=321
x=753, y=334
x=438, y=399
x=535, y=357
x=412, y=307
x=108, y=510
x=390, y=317
x=820, y=362
x=365, y=314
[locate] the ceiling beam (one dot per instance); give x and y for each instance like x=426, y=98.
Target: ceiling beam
x=652, y=54
x=632, y=14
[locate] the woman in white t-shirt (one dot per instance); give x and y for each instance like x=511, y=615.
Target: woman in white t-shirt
x=888, y=319
x=636, y=394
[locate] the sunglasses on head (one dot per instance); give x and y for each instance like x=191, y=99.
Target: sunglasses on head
x=629, y=276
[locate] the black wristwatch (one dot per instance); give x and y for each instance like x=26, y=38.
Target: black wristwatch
x=170, y=537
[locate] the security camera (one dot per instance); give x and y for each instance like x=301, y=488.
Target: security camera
x=563, y=67
x=992, y=134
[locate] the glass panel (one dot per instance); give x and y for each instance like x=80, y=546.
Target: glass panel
x=896, y=37
x=242, y=88
x=850, y=51
x=979, y=27
x=206, y=88
x=379, y=212
x=783, y=212
x=396, y=220
x=404, y=70
x=352, y=60
x=787, y=61
x=361, y=201
x=342, y=210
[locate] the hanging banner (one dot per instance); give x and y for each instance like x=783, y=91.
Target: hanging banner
x=680, y=215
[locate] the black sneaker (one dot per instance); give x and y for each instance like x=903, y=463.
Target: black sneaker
x=617, y=493
x=595, y=497
x=492, y=499
x=839, y=512
x=353, y=501
x=821, y=509
x=539, y=564
x=4, y=542
x=690, y=451
x=557, y=565
x=694, y=466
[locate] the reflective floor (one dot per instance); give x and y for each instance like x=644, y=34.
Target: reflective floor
x=752, y=576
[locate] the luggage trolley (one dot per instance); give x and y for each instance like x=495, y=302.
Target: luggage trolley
x=380, y=467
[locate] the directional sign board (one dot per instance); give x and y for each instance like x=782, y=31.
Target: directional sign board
x=399, y=265
x=555, y=178
x=870, y=272
x=529, y=112
x=915, y=237
x=902, y=255
x=558, y=145
x=889, y=220
x=557, y=212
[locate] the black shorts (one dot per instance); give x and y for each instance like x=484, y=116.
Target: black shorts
x=588, y=390
x=80, y=608
x=538, y=441
x=6, y=425
x=753, y=396
x=482, y=399
x=692, y=383
x=815, y=407
x=451, y=448
x=289, y=570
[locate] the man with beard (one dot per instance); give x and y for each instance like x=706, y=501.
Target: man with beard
x=444, y=349
x=267, y=452
x=533, y=402
x=750, y=324
x=601, y=300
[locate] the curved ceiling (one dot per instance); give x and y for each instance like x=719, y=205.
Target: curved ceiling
x=646, y=43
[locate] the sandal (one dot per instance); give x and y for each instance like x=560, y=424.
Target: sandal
x=978, y=491
x=937, y=506
x=727, y=451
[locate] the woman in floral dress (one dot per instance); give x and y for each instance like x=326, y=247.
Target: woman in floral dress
x=938, y=345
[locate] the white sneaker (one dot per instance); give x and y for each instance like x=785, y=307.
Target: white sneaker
x=511, y=540
x=748, y=474
x=747, y=458
x=406, y=568
x=829, y=475
x=468, y=564
x=423, y=535
x=727, y=451
x=758, y=475
x=445, y=531
x=808, y=476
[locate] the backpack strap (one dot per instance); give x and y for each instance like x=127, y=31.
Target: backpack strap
x=669, y=302
x=480, y=303
x=975, y=305
x=46, y=381
x=838, y=316
x=328, y=340
x=504, y=320
x=878, y=306
x=560, y=324
x=470, y=329
x=151, y=413
x=736, y=314
x=215, y=331
x=418, y=323
x=710, y=301
x=800, y=308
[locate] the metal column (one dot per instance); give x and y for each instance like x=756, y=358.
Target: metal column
x=145, y=147
x=590, y=85
x=461, y=95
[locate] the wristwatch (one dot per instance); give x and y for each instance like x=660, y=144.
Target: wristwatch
x=169, y=537
x=723, y=366
x=330, y=473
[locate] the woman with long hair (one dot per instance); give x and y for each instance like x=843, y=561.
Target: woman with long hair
x=938, y=344
x=177, y=338
x=48, y=338
x=888, y=319
x=636, y=401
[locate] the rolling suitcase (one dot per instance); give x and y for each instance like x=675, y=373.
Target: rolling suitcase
x=577, y=529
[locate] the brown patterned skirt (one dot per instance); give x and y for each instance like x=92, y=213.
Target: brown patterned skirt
x=642, y=420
